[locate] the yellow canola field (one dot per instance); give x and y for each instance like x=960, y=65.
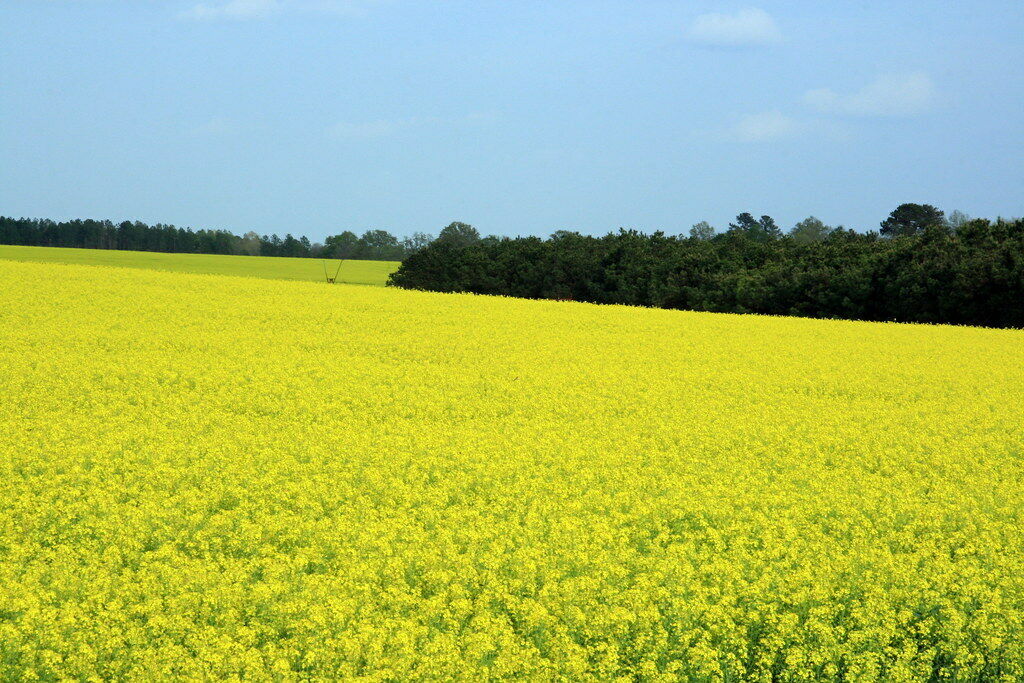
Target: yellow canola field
x=351, y=271
x=221, y=477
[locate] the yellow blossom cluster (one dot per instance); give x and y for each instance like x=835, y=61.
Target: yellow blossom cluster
x=214, y=477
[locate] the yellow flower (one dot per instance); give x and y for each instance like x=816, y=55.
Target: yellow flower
x=213, y=477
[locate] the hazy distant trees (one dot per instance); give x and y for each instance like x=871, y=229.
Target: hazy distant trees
x=810, y=229
x=702, y=231
x=956, y=219
x=138, y=236
x=416, y=241
x=132, y=235
x=249, y=244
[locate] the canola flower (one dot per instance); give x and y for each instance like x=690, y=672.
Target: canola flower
x=210, y=477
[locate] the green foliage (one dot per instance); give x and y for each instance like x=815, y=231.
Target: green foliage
x=459, y=235
x=379, y=245
x=344, y=245
x=375, y=245
x=911, y=219
x=759, y=230
x=971, y=276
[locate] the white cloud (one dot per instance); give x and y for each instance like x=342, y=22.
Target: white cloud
x=234, y=9
x=767, y=125
x=751, y=26
x=341, y=7
x=891, y=95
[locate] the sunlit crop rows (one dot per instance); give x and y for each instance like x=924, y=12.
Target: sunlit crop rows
x=207, y=476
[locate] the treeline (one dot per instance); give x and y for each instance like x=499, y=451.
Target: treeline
x=920, y=267
x=377, y=245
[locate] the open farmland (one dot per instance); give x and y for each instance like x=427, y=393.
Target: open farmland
x=219, y=476
x=272, y=267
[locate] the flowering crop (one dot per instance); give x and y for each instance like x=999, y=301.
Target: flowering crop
x=357, y=272
x=220, y=477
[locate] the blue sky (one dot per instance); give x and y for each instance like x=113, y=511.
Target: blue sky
x=315, y=116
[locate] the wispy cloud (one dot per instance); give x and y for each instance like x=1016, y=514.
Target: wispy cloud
x=761, y=127
x=341, y=7
x=234, y=9
x=751, y=26
x=240, y=10
x=890, y=95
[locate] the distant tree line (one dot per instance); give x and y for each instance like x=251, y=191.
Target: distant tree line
x=921, y=266
x=377, y=245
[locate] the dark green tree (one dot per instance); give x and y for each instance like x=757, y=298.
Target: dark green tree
x=911, y=219
x=971, y=276
x=379, y=245
x=458, y=235
x=291, y=246
x=759, y=230
x=343, y=246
